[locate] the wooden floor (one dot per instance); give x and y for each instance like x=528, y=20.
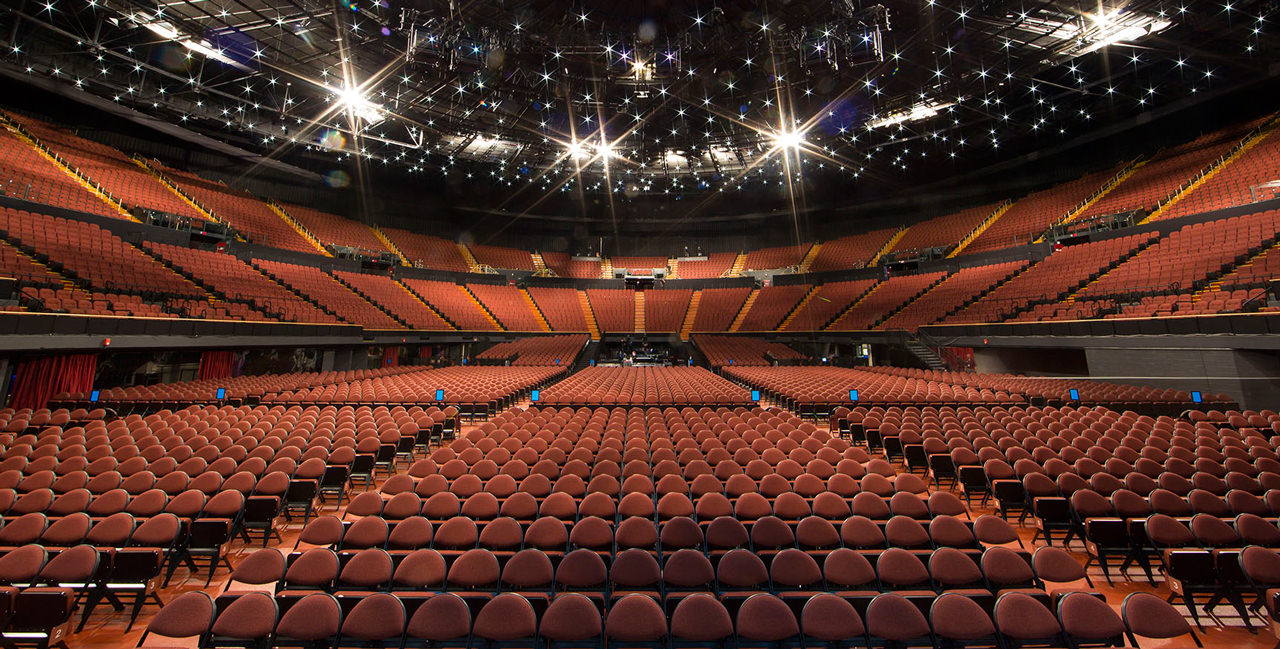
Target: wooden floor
x=106, y=628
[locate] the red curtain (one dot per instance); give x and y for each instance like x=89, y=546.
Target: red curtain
x=38, y=380
x=217, y=365
x=390, y=356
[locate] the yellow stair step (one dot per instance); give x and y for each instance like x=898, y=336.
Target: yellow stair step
x=1212, y=171
x=800, y=306
x=746, y=306
x=690, y=315
x=533, y=306
x=809, y=256
x=639, y=319
x=388, y=243
x=298, y=227
x=982, y=227
x=472, y=264
x=893, y=241
x=585, y=303
x=66, y=169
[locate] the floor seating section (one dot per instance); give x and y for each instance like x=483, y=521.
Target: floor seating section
x=540, y=350
x=644, y=386
x=335, y=230
x=614, y=309
x=1035, y=212
x=772, y=304
x=248, y=214
x=108, y=168
x=563, y=265
x=426, y=251
x=952, y=293
x=480, y=389
x=715, y=265
x=943, y=231
x=453, y=302
x=1049, y=280
x=664, y=309
x=560, y=307
x=328, y=293
x=777, y=257
x=854, y=251
x=827, y=301
x=718, y=308
x=236, y=282
x=1233, y=184
x=26, y=174
x=507, y=305
x=883, y=300
x=500, y=257
x=395, y=298
x=185, y=393
x=1168, y=171
x=743, y=350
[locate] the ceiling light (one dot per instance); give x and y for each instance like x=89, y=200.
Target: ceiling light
x=577, y=150
x=788, y=139
x=355, y=103
x=921, y=111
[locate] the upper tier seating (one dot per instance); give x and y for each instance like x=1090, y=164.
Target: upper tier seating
x=332, y=229
x=199, y=391
x=1167, y=171
x=644, y=386
x=500, y=257
x=26, y=174
x=746, y=351
x=16, y=264
x=718, y=307
x=560, y=307
x=237, y=281
x=1182, y=261
x=1049, y=279
x=393, y=297
x=953, y=292
x=1231, y=185
x=615, y=309
x=507, y=305
x=715, y=265
x=563, y=265
x=1033, y=213
x=639, y=263
x=324, y=290
x=943, y=231
x=884, y=299
x=827, y=302
x=853, y=251
x=772, y=305
x=453, y=302
x=538, y=350
x=664, y=309
x=241, y=210
x=426, y=251
x=778, y=257
x=109, y=169
x=94, y=255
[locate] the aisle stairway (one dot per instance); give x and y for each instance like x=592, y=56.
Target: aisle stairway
x=533, y=306
x=588, y=314
x=302, y=231
x=639, y=313
x=691, y=315
x=746, y=306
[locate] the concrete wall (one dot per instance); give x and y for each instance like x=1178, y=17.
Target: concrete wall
x=1250, y=377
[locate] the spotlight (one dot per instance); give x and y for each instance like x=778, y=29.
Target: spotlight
x=788, y=139
x=577, y=150
x=354, y=102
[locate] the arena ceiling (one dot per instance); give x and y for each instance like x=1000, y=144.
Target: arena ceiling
x=529, y=98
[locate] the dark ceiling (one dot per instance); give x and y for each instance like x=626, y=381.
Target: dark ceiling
x=648, y=109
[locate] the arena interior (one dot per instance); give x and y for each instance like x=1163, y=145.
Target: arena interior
x=668, y=324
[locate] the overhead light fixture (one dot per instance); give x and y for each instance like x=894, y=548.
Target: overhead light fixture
x=356, y=104
x=167, y=31
x=1066, y=37
x=787, y=139
x=921, y=111
x=577, y=150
